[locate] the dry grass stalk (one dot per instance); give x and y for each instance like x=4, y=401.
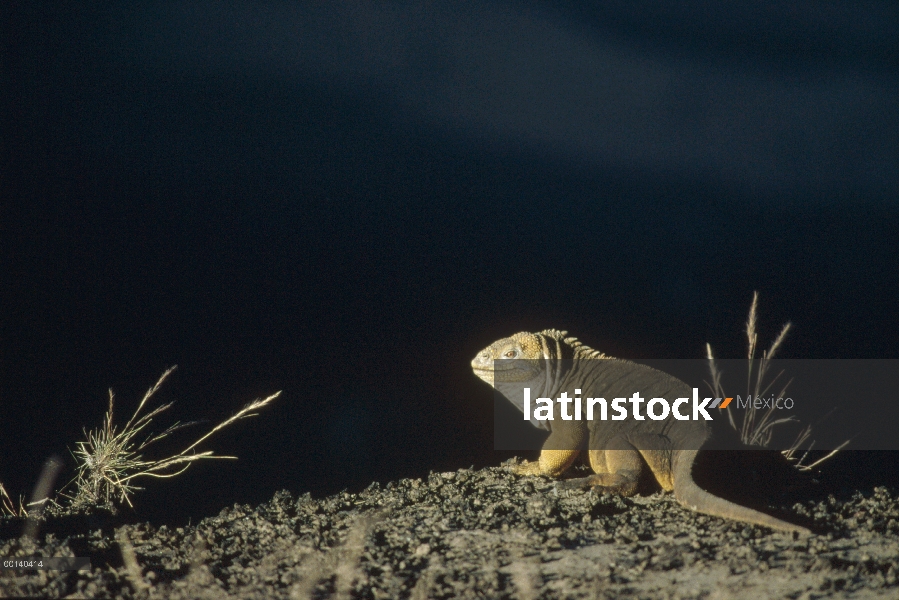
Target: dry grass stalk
x=132, y=567
x=40, y=497
x=8, y=507
x=342, y=562
x=346, y=569
x=111, y=459
x=525, y=575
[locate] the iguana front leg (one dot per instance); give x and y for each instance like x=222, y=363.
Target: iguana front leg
x=551, y=462
x=559, y=452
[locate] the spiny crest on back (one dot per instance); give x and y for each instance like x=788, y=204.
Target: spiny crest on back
x=578, y=350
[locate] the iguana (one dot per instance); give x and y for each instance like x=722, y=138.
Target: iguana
x=618, y=451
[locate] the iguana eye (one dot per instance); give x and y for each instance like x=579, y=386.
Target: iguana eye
x=511, y=354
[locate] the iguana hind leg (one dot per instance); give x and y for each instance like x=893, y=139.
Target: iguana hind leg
x=616, y=470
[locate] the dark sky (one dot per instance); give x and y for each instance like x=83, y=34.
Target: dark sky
x=346, y=200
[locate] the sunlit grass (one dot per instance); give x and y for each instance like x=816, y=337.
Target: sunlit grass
x=10, y=508
x=111, y=459
x=759, y=431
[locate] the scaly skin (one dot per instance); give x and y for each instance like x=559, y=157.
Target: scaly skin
x=618, y=451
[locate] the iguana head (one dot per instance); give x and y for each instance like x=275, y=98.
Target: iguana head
x=529, y=360
x=513, y=359
x=522, y=360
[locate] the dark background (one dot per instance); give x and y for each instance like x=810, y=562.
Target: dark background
x=347, y=200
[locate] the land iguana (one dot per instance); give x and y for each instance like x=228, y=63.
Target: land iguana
x=618, y=451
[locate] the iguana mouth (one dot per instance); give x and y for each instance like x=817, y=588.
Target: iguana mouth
x=493, y=369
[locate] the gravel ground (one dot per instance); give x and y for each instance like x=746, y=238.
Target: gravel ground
x=476, y=534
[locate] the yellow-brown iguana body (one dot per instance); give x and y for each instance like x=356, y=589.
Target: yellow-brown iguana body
x=618, y=451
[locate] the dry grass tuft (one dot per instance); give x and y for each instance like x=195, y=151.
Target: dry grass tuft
x=758, y=432
x=112, y=458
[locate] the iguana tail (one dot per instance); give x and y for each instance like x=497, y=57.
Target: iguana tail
x=692, y=496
